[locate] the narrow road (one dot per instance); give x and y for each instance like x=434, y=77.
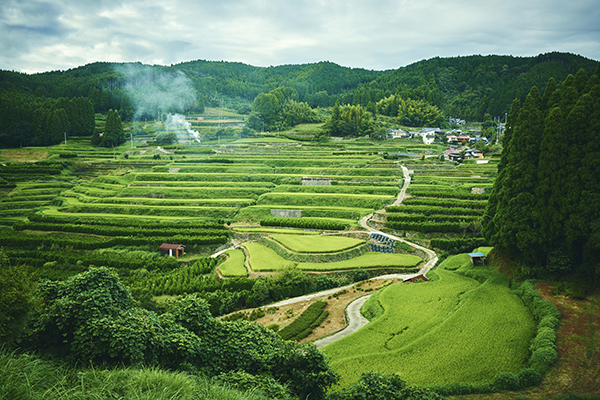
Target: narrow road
x=353, y=315
x=355, y=322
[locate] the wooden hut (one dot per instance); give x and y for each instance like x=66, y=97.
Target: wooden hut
x=168, y=249
x=477, y=258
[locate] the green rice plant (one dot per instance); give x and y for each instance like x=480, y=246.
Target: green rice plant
x=316, y=244
x=325, y=199
x=275, y=230
x=372, y=308
x=366, y=260
x=450, y=330
x=455, y=262
x=377, y=190
x=262, y=258
x=234, y=265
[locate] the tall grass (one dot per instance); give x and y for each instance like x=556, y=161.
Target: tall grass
x=27, y=377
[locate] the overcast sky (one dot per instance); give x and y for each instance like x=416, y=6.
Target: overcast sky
x=44, y=35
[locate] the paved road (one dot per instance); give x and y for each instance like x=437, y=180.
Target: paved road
x=355, y=322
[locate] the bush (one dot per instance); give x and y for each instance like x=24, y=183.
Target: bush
x=529, y=377
x=360, y=275
x=549, y=321
x=542, y=359
x=306, y=322
x=506, y=381
x=546, y=337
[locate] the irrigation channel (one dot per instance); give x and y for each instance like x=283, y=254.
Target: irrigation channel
x=354, y=319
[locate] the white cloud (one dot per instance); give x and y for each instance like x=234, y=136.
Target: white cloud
x=39, y=35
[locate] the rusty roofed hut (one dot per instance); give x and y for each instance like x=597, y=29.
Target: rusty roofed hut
x=175, y=250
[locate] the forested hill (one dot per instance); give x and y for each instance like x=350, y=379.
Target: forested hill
x=464, y=87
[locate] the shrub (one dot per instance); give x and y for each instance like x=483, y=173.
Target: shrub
x=506, y=381
x=546, y=337
x=549, y=321
x=306, y=322
x=360, y=275
x=542, y=359
x=529, y=377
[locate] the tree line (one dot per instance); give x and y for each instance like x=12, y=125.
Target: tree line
x=544, y=210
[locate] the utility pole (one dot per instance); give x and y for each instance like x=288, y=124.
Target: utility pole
x=65, y=138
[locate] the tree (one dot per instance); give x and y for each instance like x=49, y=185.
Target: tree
x=515, y=221
x=113, y=130
x=16, y=300
x=544, y=208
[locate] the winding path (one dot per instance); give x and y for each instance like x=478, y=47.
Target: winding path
x=353, y=316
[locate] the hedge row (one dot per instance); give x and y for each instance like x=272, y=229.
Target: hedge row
x=306, y=322
x=462, y=243
x=125, y=222
x=547, y=316
x=428, y=210
x=303, y=223
x=425, y=226
x=104, y=230
x=208, y=212
x=58, y=259
x=430, y=218
x=448, y=194
x=432, y=201
x=10, y=238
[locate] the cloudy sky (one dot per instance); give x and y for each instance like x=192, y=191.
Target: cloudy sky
x=44, y=35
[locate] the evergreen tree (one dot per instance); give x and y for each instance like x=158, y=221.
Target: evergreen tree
x=113, y=131
x=544, y=211
x=515, y=221
x=489, y=228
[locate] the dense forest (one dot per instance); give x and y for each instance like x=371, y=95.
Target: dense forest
x=544, y=211
x=464, y=87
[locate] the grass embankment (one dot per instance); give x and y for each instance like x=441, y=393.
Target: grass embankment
x=454, y=329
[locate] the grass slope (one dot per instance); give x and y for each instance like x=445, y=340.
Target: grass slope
x=450, y=330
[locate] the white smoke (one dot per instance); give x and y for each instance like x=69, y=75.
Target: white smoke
x=153, y=90
x=177, y=122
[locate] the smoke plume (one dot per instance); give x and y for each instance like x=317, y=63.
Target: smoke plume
x=177, y=122
x=152, y=90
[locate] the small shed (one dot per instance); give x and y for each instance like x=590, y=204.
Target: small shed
x=168, y=249
x=477, y=258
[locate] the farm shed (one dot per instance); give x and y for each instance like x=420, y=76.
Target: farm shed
x=477, y=258
x=171, y=249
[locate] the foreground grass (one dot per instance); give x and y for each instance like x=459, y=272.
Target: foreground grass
x=451, y=330
x=24, y=376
